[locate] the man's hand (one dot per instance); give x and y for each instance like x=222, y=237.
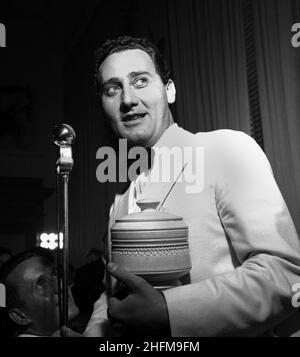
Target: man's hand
x=143, y=312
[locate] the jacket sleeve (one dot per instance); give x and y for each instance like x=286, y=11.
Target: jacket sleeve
x=257, y=295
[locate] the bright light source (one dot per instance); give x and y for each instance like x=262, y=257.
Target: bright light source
x=49, y=240
x=61, y=240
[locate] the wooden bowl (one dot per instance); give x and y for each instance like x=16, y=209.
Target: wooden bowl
x=152, y=244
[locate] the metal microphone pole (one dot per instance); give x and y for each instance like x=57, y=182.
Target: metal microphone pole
x=63, y=136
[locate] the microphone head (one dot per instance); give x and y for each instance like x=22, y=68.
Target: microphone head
x=63, y=135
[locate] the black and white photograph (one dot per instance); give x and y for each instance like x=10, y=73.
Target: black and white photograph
x=149, y=171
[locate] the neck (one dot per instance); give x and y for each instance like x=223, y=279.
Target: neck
x=169, y=122
x=33, y=331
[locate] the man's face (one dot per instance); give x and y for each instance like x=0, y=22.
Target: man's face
x=38, y=291
x=134, y=98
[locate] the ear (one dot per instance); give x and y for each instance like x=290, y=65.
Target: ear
x=18, y=316
x=171, y=91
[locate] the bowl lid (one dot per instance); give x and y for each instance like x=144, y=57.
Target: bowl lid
x=149, y=213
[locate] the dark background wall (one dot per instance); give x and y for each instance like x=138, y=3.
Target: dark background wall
x=50, y=55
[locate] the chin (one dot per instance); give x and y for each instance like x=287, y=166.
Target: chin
x=139, y=138
x=138, y=135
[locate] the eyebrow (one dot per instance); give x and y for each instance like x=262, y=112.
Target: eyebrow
x=139, y=73
x=113, y=80
x=131, y=75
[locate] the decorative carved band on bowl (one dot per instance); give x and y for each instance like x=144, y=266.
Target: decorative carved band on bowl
x=151, y=251
x=155, y=264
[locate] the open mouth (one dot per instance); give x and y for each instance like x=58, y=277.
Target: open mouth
x=132, y=117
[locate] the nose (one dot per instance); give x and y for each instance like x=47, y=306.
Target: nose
x=128, y=99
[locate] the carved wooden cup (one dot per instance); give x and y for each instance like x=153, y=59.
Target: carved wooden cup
x=152, y=244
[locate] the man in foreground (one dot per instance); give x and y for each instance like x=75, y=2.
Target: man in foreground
x=244, y=248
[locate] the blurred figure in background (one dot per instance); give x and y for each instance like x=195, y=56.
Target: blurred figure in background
x=5, y=255
x=32, y=295
x=71, y=275
x=93, y=255
x=88, y=287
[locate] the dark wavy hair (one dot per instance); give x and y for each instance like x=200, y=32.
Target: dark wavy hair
x=124, y=43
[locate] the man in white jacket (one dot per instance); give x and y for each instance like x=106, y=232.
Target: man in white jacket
x=244, y=248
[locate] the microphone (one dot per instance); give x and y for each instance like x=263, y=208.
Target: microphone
x=64, y=136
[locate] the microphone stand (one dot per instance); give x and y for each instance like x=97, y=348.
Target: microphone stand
x=63, y=137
